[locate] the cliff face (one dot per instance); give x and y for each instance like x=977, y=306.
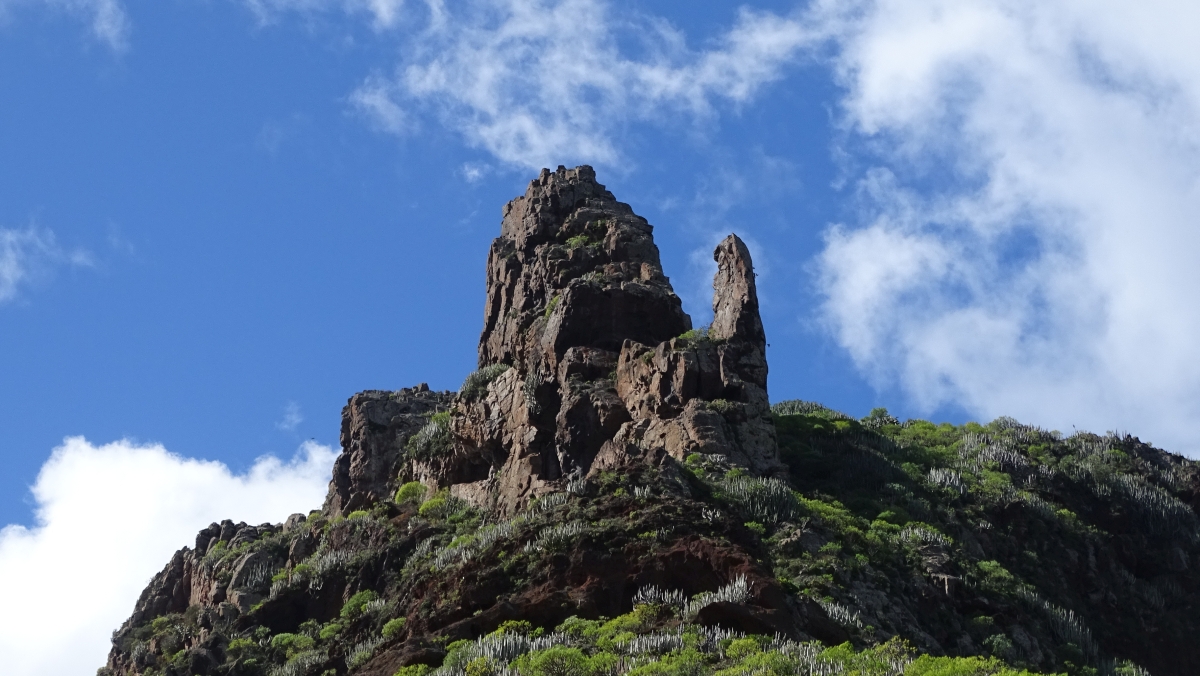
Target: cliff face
x=618, y=479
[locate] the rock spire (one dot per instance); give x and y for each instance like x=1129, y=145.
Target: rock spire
x=587, y=362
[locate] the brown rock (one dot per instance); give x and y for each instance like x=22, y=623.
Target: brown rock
x=376, y=425
x=578, y=306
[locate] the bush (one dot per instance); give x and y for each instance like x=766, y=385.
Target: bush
x=476, y=384
x=522, y=627
x=441, y=506
x=241, y=647
x=742, y=647
x=433, y=439
x=330, y=630
x=354, y=606
x=558, y=661
x=413, y=491
x=414, y=670
x=393, y=627
x=291, y=644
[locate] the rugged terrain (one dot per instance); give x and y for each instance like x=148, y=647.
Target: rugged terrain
x=611, y=492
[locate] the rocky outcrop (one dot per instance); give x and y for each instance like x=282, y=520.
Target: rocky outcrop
x=376, y=427
x=705, y=392
x=602, y=360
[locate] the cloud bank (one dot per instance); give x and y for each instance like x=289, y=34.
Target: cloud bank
x=1030, y=232
x=108, y=518
x=538, y=83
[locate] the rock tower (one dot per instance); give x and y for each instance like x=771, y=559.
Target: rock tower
x=587, y=362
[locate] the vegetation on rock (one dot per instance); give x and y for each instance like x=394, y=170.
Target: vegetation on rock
x=611, y=493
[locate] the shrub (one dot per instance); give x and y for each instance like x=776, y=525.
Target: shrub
x=580, y=241
x=413, y=491
x=441, y=506
x=393, y=627
x=476, y=384
x=362, y=652
x=291, y=644
x=763, y=500
x=358, y=514
x=522, y=627
x=414, y=670
x=722, y=406
x=742, y=647
x=559, y=661
x=241, y=647
x=330, y=630
x=354, y=606
x=433, y=439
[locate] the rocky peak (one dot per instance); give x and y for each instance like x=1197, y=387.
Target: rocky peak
x=576, y=292
x=587, y=362
x=573, y=267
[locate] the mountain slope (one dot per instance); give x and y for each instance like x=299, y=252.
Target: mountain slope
x=611, y=493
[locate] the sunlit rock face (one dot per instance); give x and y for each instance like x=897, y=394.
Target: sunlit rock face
x=604, y=366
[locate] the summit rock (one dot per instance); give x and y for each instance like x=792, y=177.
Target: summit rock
x=604, y=367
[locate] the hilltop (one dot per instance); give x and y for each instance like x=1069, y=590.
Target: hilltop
x=612, y=492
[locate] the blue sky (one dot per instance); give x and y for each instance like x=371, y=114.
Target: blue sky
x=221, y=218
x=251, y=241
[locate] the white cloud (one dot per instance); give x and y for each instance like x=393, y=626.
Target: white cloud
x=385, y=13
x=291, y=417
x=373, y=99
x=27, y=254
x=108, y=518
x=108, y=21
x=1032, y=240
x=539, y=83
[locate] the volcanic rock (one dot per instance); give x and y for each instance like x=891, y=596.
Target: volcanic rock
x=600, y=356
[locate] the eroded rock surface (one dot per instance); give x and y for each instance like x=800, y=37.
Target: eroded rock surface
x=376, y=426
x=603, y=361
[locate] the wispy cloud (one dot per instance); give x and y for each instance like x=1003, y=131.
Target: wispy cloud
x=108, y=518
x=28, y=254
x=291, y=417
x=373, y=100
x=1030, y=232
x=385, y=13
x=538, y=83
x=109, y=22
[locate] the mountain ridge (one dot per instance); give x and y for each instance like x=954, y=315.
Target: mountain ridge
x=608, y=460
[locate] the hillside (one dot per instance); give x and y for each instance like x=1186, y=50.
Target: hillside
x=612, y=493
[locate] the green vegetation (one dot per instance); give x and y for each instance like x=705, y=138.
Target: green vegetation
x=413, y=491
x=432, y=440
x=393, y=627
x=926, y=550
x=355, y=604
x=475, y=386
x=637, y=645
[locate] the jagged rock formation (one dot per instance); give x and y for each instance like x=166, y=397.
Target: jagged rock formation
x=606, y=451
x=589, y=363
x=376, y=425
x=604, y=367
